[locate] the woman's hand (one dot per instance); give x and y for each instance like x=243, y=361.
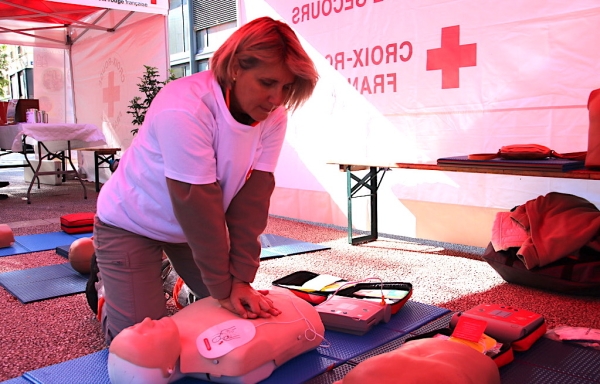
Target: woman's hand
x=247, y=302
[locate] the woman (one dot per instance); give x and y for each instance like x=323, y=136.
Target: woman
x=197, y=180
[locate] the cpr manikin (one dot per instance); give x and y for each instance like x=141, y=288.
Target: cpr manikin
x=208, y=342
x=426, y=361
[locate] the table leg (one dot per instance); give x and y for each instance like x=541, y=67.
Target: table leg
x=370, y=182
x=97, y=170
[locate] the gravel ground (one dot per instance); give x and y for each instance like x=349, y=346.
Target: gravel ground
x=39, y=334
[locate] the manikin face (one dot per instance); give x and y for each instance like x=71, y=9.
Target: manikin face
x=258, y=91
x=150, y=344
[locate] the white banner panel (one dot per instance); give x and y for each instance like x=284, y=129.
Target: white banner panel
x=413, y=81
x=147, y=6
x=108, y=68
x=52, y=84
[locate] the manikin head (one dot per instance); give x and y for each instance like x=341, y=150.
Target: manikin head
x=7, y=238
x=426, y=361
x=80, y=254
x=145, y=353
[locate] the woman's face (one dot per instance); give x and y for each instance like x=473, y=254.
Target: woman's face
x=258, y=91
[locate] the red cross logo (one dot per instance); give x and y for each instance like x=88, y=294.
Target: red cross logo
x=111, y=94
x=451, y=57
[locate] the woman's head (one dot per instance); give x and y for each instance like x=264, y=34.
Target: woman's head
x=268, y=44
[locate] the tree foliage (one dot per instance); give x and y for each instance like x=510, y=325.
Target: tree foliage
x=149, y=86
x=4, y=81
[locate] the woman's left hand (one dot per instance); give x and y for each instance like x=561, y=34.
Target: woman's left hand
x=248, y=302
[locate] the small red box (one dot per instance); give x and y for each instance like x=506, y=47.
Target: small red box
x=77, y=222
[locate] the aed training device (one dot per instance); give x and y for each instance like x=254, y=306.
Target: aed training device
x=504, y=323
x=355, y=316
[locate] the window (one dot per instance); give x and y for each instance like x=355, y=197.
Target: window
x=208, y=13
x=178, y=26
x=179, y=70
x=203, y=65
x=201, y=40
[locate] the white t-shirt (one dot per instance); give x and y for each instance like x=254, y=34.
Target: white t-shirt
x=188, y=135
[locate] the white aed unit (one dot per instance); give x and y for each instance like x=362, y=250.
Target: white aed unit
x=349, y=315
x=47, y=166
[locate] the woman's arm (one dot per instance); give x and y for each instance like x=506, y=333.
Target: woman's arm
x=199, y=211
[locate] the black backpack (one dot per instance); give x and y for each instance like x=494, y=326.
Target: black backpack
x=579, y=276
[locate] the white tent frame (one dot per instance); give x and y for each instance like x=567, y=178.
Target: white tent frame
x=16, y=31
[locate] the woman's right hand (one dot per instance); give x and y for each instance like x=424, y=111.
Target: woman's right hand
x=247, y=302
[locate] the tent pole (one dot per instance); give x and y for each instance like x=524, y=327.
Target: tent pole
x=70, y=59
x=167, y=56
x=192, y=48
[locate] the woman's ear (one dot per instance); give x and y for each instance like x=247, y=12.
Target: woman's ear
x=235, y=70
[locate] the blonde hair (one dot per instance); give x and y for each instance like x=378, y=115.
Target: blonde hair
x=267, y=40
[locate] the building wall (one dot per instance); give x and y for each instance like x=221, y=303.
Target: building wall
x=20, y=73
x=196, y=29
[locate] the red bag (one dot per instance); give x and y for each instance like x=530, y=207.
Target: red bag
x=593, y=158
x=526, y=152
x=77, y=222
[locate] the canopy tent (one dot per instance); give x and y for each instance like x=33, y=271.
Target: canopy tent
x=58, y=23
x=41, y=23
x=89, y=56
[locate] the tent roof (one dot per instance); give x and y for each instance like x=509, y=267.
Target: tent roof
x=53, y=24
x=46, y=12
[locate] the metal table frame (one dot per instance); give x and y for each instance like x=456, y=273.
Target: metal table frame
x=63, y=155
x=375, y=172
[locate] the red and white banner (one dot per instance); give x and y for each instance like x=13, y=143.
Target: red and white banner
x=108, y=68
x=406, y=81
x=147, y=6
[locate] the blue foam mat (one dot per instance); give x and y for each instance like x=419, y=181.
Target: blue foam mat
x=92, y=369
x=15, y=249
x=272, y=246
x=414, y=315
x=17, y=380
x=40, y=242
x=298, y=370
x=63, y=250
x=35, y=284
x=549, y=361
x=279, y=246
x=411, y=316
x=546, y=362
x=87, y=369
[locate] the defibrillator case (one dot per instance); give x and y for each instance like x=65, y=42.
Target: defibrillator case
x=402, y=291
x=504, y=356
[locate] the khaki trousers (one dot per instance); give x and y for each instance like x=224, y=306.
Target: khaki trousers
x=130, y=269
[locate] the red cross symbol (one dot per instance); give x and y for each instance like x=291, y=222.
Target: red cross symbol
x=111, y=94
x=451, y=56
